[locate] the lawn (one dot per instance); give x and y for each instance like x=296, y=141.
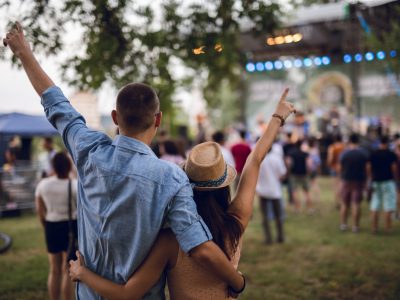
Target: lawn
x=316, y=261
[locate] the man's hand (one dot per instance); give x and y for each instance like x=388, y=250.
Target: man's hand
x=15, y=39
x=284, y=108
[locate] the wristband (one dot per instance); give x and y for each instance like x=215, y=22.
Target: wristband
x=280, y=118
x=242, y=289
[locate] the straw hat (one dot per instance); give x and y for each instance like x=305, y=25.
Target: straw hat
x=207, y=169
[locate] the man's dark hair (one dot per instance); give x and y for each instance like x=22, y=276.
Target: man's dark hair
x=137, y=104
x=218, y=137
x=298, y=144
x=354, y=138
x=61, y=164
x=338, y=138
x=242, y=133
x=171, y=147
x=384, y=140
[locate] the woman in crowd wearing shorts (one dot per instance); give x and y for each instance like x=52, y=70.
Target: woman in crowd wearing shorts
x=51, y=199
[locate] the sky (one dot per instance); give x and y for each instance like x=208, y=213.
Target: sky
x=17, y=94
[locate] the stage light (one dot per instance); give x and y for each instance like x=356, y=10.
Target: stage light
x=279, y=40
x=269, y=65
x=326, y=60
x=270, y=41
x=288, y=64
x=393, y=53
x=298, y=63
x=250, y=67
x=381, y=55
x=369, y=56
x=317, y=61
x=358, y=57
x=347, y=58
x=289, y=39
x=307, y=62
x=259, y=66
x=297, y=37
x=278, y=65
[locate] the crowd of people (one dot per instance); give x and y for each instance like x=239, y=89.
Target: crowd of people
x=149, y=212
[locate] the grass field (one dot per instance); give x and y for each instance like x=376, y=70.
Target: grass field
x=316, y=261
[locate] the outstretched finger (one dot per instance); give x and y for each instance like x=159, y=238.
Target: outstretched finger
x=284, y=95
x=18, y=26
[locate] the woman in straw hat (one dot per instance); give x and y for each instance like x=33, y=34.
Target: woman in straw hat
x=227, y=220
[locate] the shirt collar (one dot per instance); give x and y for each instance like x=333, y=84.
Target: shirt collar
x=132, y=144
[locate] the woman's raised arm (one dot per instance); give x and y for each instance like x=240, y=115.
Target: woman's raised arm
x=242, y=204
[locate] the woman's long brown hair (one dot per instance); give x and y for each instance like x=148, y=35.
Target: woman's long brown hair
x=224, y=226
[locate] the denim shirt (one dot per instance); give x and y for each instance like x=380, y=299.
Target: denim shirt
x=125, y=196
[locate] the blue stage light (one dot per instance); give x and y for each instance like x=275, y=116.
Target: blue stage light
x=288, y=64
x=259, y=66
x=250, y=67
x=317, y=61
x=358, y=57
x=326, y=60
x=307, y=62
x=278, y=65
x=347, y=58
x=269, y=65
x=369, y=56
x=393, y=53
x=381, y=55
x=298, y=63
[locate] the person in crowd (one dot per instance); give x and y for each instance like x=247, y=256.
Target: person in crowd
x=126, y=194
x=287, y=146
x=397, y=152
x=52, y=205
x=382, y=168
x=334, y=152
x=219, y=138
x=45, y=157
x=353, y=164
x=227, y=220
x=10, y=162
x=240, y=151
x=314, y=167
x=298, y=160
x=269, y=190
x=158, y=145
x=171, y=152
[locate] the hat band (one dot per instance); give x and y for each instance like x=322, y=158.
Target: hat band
x=211, y=183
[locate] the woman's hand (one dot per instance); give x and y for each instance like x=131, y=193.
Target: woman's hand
x=77, y=267
x=284, y=108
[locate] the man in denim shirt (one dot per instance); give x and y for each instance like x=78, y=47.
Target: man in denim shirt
x=125, y=193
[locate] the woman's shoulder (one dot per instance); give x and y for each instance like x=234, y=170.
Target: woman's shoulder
x=47, y=181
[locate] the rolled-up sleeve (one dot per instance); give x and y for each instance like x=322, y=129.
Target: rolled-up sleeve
x=69, y=123
x=188, y=227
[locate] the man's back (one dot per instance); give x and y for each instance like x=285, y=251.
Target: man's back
x=353, y=164
x=381, y=164
x=240, y=152
x=124, y=194
x=269, y=180
x=298, y=162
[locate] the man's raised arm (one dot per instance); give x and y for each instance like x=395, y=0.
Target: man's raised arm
x=69, y=123
x=15, y=39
